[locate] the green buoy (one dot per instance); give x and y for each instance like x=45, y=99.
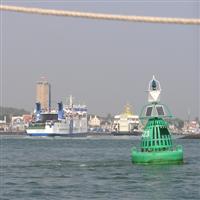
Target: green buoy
x=156, y=142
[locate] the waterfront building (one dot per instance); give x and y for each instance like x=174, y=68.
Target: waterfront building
x=3, y=125
x=17, y=123
x=43, y=94
x=106, y=126
x=94, y=121
x=191, y=127
x=27, y=119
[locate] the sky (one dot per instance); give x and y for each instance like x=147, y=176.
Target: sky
x=103, y=64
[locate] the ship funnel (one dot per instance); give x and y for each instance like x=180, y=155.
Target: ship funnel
x=60, y=111
x=38, y=111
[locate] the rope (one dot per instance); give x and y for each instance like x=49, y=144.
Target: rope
x=131, y=18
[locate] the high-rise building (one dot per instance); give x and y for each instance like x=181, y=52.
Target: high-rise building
x=43, y=94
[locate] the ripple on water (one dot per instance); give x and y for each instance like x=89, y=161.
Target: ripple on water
x=93, y=169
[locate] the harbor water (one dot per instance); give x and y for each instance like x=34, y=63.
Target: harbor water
x=92, y=168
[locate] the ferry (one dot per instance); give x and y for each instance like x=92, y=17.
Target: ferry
x=126, y=123
x=68, y=120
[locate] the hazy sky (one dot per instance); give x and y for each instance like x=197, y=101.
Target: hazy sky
x=104, y=64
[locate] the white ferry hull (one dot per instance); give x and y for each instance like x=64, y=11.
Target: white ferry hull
x=57, y=134
x=60, y=129
x=45, y=133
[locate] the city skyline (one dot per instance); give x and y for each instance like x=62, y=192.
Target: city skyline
x=102, y=64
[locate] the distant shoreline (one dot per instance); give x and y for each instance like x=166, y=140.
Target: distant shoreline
x=13, y=133
x=23, y=133
x=191, y=136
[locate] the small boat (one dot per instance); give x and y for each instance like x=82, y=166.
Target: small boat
x=156, y=143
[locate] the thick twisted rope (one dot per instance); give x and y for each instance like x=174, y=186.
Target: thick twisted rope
x=131, y=18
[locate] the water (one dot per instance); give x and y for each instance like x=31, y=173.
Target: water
x=92, y=168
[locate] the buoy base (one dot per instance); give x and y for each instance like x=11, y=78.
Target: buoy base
x=157, y=157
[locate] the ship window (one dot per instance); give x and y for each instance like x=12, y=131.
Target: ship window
x=160, y=110
x=50, y=117
x=149, y=111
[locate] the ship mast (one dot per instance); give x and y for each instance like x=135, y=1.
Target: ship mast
x=70, y=101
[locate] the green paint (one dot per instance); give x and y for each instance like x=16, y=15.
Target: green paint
x=156, y=142
x=37, y=126
x=156, y=145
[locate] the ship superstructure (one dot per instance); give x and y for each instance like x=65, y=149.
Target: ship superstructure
x=126, y=122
